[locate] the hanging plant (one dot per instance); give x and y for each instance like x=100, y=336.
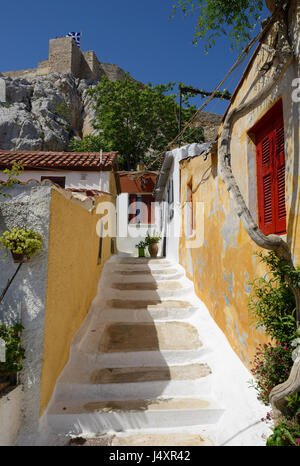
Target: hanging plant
x=22, y=243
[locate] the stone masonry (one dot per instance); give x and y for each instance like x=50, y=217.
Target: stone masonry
x=66, y=57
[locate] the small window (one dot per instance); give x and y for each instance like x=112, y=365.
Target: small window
x=270, y=162
x=60, y=180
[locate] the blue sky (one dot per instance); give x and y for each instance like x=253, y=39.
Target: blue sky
x=137, y=35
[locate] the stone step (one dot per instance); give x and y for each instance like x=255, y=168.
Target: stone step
x=121, y=375
x=147, y=285
x=147, y=439
x=156, y=313
x=167, y=290
x=84, y=417
x=134, y=382
x=147, y=276
x=149, y=304
x=87, y=356
x=146, y=336
x=142, y=260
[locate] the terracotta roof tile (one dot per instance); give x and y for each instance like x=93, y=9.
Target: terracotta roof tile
x=59, y=160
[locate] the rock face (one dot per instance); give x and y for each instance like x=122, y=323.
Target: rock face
x=44, y=113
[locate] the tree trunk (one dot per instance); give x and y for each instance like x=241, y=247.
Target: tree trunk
x=271, y=5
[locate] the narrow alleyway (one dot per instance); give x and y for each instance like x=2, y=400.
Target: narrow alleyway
x=149, y=366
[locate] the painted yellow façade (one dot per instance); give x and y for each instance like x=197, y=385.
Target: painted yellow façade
x=223, y=265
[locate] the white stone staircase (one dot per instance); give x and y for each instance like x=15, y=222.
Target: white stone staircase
x=141, y=363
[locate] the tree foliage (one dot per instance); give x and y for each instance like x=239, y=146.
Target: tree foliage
x=11, y=174
x=235, y=19
x=136, y=120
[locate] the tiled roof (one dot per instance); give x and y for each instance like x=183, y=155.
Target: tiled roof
x=59, y=160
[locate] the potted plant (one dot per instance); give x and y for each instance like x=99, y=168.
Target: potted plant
x=23, y=244
x=141, y=247
x=152, y=243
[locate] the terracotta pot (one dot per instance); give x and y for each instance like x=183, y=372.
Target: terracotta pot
x=18, y=258
x=153, y=249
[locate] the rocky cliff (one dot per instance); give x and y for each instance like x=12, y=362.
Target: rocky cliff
x=45, y=112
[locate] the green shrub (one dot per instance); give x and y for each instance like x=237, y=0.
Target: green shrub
x=21, y=241
x=272, y=303
x=287, y=433
x=271, y=366
x=14, y=351
x=152, y=239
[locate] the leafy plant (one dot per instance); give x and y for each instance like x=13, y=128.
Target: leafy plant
x=14, y=351
x=89, y=143
x=152, y=239
x=287, y=433
x=271, y=366
x=21, y=241
x=63, y=110
x=141, y=245
x=272, y=303
x=293, y=405
x=136, y=120
x=215, y=18
x=12, y=174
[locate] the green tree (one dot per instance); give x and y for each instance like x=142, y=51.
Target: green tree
x=11, y=174
x=235, y=19
x=136, y=120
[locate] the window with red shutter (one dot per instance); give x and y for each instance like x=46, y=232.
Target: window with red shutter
x=270, y=159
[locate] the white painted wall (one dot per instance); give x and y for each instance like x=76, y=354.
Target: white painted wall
x=74, y=179
x=171, y=210
x=129, y=235
x=10, y=416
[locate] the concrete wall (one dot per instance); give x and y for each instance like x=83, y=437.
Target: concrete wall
x=28, y=207
x=51, y=293
x=10, y=416
x=102, y=181
x=72, y=278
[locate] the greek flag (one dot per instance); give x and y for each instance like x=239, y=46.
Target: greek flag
x=76, y=36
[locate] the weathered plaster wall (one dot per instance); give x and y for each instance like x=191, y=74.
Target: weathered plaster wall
x=29, y=207
x=102, y=181
x=72, y=279
x=10, y=416
x=222, y=267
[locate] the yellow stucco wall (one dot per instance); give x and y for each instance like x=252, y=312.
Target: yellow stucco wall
x=73, y=274
x=222, y=267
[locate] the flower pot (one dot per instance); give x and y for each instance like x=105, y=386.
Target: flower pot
x=19, y=258
x=153, y=249
x=141, y=252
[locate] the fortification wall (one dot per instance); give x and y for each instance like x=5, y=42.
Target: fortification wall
x=66, y=57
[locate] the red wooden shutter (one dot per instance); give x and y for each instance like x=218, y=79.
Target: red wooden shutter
x=279, y=169
x=271, y=175
x=266, y=204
